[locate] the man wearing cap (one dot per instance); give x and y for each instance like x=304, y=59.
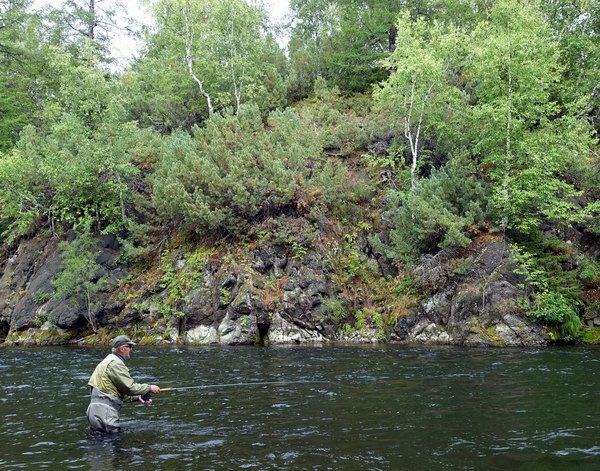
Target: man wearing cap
x=111, y=385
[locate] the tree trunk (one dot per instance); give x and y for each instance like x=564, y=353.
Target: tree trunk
x=92, y=26
x=88, y=299
x=189, y=40
x=392, y=33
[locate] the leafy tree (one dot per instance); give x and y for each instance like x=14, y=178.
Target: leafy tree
x=80, y=274
x=18, y=69
x=80, y=24
x=342, y=40
x=76, y=164
x=207, y=55
x=419, y=95
x=514, y=66
x=346, y=41
x=576, y=26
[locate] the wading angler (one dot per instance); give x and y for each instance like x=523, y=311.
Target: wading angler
x=111, y=385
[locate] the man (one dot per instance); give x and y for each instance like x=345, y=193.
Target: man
x=111, y=385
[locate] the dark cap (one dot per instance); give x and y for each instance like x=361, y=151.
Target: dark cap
x=121, y=340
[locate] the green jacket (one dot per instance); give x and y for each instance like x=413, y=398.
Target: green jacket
x=111, y=376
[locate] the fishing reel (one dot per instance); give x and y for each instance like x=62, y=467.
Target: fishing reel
x=146, y=397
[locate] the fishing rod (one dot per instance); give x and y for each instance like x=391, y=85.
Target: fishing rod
x=227, y=385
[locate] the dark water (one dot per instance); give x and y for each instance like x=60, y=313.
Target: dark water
x=377, y=408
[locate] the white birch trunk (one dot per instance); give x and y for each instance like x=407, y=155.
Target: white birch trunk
x=189, y=41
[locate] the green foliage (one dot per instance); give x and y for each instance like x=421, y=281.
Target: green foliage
x=576, y=26
x=489, y=90
x=334, y=308
x=75, y=167
x=233, y=170
x=590, y=272
x=341, y=131
x=591, y=336
x=178, y=281
x=39, y=321
x=40, y=297
x=438, y=213
x=80, y=274
x=549, y=266
x=526, y=145
x=341, y=191
x=556, y=290
x=297, y=234
x=342, y=41
x=21, y=70
x=420, y=96
x=554, y=309
x=223, y=44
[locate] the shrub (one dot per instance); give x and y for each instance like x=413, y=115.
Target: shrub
x=437, y=213
x=233, y=170
x=337, y=127
x=590, y=272
x=339, y=189
x=80, y=275
x=554, y=309
x=334, y=308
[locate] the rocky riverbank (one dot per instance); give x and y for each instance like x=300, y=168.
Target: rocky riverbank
x=269, y=297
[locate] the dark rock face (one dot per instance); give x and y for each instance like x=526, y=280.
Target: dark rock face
x=275, y=298
x=481, y=309
x=228, y=308
x=26, y=290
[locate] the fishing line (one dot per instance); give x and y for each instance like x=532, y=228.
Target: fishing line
x=225, y=385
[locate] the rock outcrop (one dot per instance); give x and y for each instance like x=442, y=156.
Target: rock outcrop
x=273, y=298
x=27, y=297
x=479, y=308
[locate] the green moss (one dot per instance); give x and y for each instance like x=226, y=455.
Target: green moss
x=492, y=334
x=152, y=339
x=591, y=335
x=38, y=337
x=552, y=333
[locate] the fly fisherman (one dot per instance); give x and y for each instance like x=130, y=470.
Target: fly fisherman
x=111, y=385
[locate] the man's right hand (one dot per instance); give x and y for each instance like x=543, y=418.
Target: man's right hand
x=154, y=389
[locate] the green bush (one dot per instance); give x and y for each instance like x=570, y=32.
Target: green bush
x=340, y=190
x=233, y=170
x=334, y=308
x=590, y=272
x=75, y=165
x=80, y=275
x=337, y=126
x=437, y=213
x=555, y=310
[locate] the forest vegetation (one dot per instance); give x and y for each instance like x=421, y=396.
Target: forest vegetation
x=217, y=136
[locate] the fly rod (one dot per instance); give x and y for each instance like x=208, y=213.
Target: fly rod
x=226, y=385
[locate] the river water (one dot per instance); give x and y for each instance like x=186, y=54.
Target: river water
x=348, y=408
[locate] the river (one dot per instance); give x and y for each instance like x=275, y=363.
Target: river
x=346, y=408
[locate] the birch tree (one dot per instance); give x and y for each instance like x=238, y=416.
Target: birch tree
x=223, y=49
x=418, y=94
x=524, y=143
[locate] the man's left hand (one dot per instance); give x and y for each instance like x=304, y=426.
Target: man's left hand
x=148, y=402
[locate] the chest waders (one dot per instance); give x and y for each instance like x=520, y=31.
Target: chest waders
x=104, y=409
x=103, y=412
